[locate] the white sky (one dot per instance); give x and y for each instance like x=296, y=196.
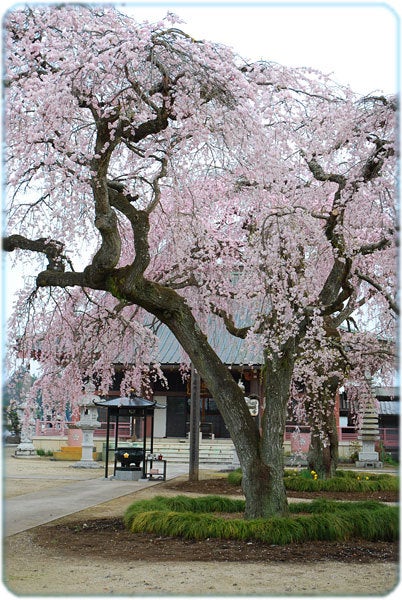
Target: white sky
x=357, y=43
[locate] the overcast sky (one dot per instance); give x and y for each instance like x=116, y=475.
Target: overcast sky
x=355, y=42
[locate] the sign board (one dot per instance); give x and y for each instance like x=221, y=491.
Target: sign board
x=252, y=404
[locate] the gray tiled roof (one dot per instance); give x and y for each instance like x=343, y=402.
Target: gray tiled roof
x=231, y=350
x=390, y=392
x=388, y=407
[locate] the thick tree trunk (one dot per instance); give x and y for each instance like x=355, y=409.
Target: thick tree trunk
x=323, y=452
x=279, y=370
x=257, y=477
x=261, y=457
x=226, y=393
x=258, y=488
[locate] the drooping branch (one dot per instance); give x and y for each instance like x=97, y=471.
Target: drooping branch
x=55, y=274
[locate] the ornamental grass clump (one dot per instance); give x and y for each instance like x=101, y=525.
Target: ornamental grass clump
x=344, y=481
x=216, y=517
x=235, y=477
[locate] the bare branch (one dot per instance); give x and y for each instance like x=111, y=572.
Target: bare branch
x=52, y=249
x=240, y=332
x=370, y=248
x=391, y=303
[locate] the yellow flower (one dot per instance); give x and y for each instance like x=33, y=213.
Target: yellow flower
x=367, y=477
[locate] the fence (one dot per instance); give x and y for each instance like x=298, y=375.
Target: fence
x=45, y=428
x=388, y=436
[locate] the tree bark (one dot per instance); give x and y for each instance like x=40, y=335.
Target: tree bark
x=323, y=453
x=279, y=370
x=322, y=456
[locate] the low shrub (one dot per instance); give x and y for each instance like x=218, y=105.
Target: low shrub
x=42, y=452
x=340, y=484
x=344, y=481
x=199, y=518
x=235, y=477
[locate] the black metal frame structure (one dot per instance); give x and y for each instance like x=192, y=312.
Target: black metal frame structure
x=132, y=406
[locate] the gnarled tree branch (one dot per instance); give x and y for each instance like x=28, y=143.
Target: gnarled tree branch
x=391, y=302
x=52, y=249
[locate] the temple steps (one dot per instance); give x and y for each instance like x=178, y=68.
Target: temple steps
x=210, y=451
x=217, y=451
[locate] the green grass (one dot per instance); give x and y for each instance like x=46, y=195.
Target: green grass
x=199, y=518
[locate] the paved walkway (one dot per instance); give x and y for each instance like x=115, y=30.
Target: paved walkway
x=66, y=490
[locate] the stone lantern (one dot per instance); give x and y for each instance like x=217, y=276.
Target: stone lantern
x=369, y=435
x=88, y=423
x=25, y=448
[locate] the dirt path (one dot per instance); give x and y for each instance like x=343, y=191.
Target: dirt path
x=95, y=563
x=35, y=571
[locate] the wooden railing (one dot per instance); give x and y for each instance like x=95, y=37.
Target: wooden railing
x=44, y=428
x=388, y=435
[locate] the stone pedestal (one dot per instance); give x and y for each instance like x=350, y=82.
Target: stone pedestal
x=130, y=474
x=368, y=464
x=87, y=461
x=25, y=450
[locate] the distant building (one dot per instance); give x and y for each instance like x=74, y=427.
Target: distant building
x=245, y=367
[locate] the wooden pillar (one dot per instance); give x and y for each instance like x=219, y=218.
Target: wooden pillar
x=144, y=445
x=107, y=443
x=152, y=431
x=116, y=438
x=194, y=425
